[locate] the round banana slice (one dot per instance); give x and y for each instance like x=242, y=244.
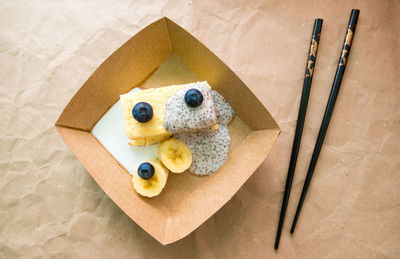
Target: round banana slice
x=153, y=186
x=175, y=155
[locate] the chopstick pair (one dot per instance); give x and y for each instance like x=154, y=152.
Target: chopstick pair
x=325, y=121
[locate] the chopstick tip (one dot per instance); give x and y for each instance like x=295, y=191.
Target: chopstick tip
x=278, y=237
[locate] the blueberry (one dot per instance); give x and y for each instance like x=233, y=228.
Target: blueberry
x=193, y=98
x=142, y=112
x=146, y=170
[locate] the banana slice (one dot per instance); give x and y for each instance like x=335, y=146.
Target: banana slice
x=157, y=178
x=175, y=155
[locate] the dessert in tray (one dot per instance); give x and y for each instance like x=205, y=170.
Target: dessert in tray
x=190, y=124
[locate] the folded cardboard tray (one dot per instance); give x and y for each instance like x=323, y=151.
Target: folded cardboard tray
x=161, y=54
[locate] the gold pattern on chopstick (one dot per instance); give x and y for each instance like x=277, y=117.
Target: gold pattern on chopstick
x=314, y=47
x=310, y=68
x=349, y=36
x=347, y=42
x=313, y=52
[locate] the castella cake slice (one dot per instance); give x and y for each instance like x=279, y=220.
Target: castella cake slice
x=148, y=106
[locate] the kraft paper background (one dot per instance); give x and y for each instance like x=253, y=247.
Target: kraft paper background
x=49, y=205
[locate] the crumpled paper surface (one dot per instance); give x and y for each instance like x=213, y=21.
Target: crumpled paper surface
x=50, y=206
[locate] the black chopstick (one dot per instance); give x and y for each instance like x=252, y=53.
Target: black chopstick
x=312, y=56
x=329, y=109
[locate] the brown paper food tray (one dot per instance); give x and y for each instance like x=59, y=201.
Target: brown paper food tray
x=161, y=54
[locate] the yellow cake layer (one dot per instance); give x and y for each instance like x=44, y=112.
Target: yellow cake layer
x=153, y=131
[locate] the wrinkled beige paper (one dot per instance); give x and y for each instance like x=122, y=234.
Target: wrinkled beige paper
x=50, y=206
